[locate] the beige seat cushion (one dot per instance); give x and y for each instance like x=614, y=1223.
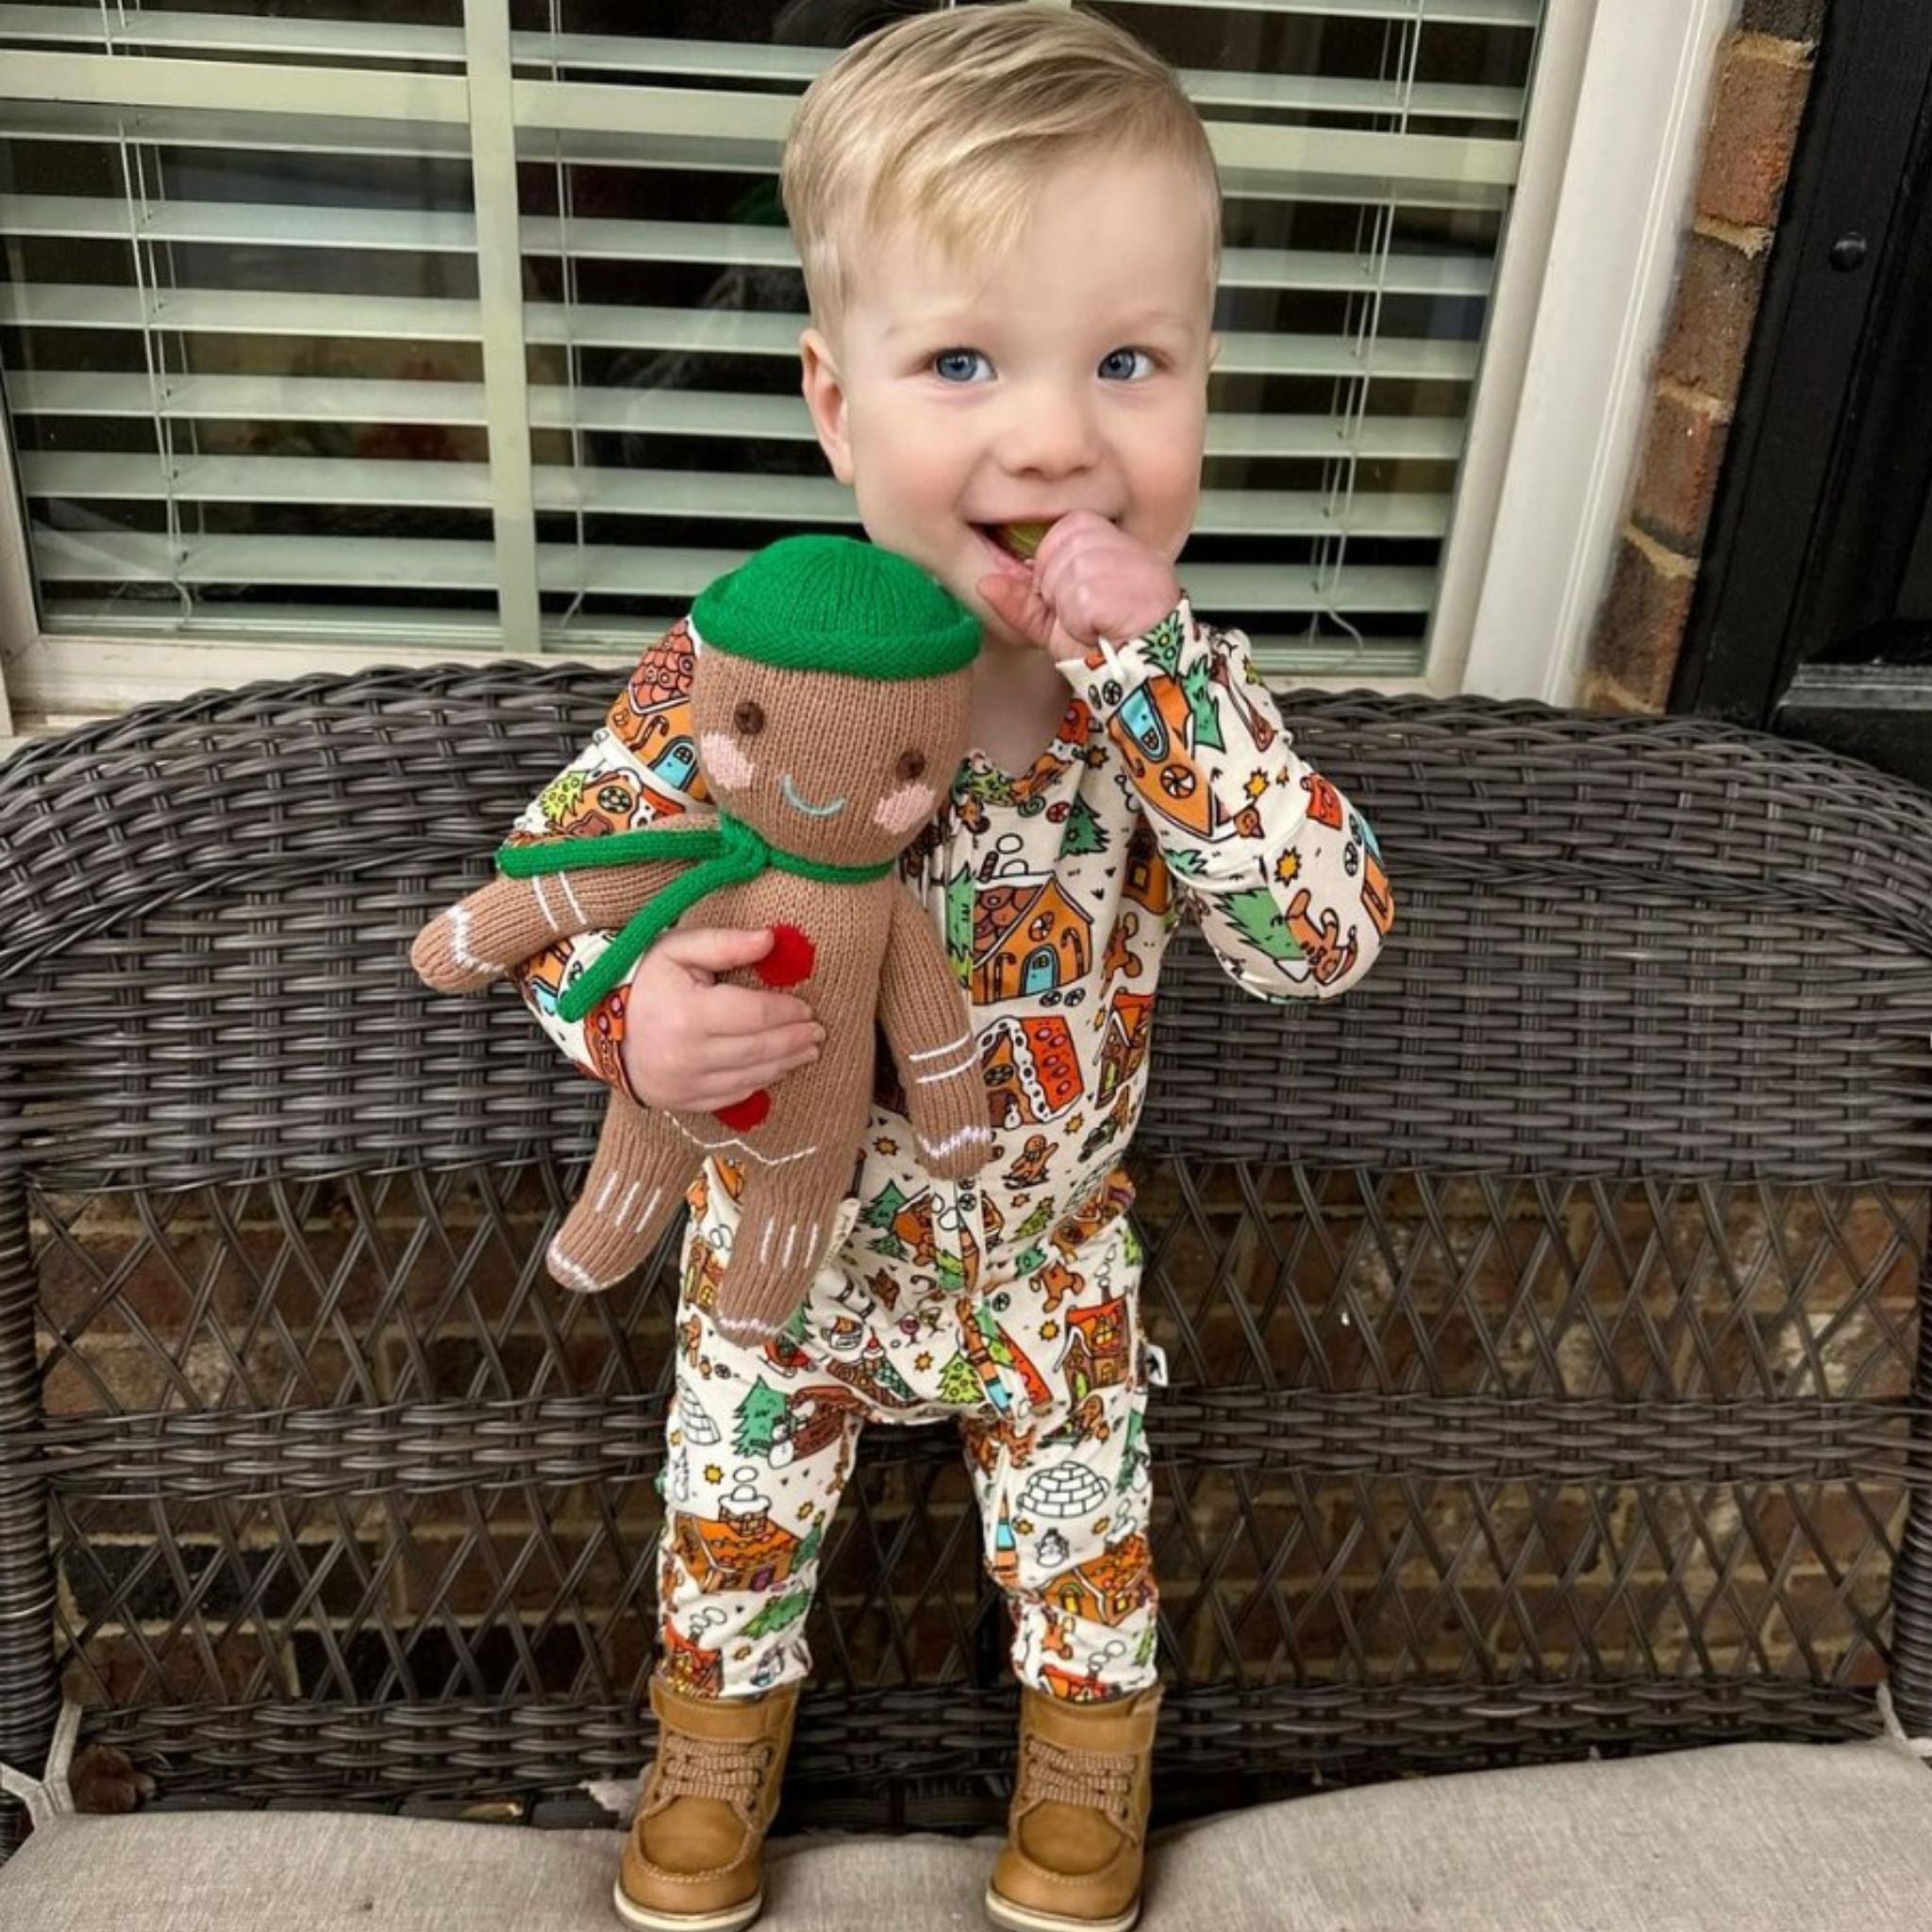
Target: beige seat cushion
x=1749, y=1838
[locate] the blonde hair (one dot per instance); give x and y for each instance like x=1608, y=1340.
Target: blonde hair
x=951, y=121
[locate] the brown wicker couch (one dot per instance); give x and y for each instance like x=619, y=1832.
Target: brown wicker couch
x=1546, y=1378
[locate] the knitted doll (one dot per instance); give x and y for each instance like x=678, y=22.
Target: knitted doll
x=830, y=703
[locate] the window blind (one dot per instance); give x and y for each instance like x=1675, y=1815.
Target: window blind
x=478, y=323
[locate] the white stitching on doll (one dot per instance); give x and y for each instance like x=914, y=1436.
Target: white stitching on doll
x=561, y=1263
x=460, y=943
x=932, y=1053
x=749, y=1152
x=970, y=1066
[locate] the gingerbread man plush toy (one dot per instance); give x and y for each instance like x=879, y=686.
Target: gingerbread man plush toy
x=829, y=701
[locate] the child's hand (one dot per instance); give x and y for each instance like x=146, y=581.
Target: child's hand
x=1090, y=580
x=691, y=1045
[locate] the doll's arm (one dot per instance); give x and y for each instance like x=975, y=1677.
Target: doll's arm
x=930, y=1033
x=503, y=923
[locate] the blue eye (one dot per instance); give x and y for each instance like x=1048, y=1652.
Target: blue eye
x=1114, y=355
x=955, y=355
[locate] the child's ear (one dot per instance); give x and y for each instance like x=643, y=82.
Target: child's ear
x=825, y=396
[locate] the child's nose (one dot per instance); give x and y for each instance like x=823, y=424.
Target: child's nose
x=1048, y=431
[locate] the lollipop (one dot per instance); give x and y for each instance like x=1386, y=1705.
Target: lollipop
x=1023, y=539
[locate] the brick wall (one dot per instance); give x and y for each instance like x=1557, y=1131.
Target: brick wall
x=1764, y=77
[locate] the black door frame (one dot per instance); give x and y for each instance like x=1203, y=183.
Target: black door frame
x=1830, y=456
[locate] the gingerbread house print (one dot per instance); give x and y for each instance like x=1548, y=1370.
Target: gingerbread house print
x=653, y=716
x=1151, y=728
x=1096, y=1354
x=740, y=1548
x=1029, y=938
x=1032, y=1070
x=1129, y=1028
x=1146, y=880
x=691, y=1668
x=616, y=801
x=1108, y=1588
x=873, y=1374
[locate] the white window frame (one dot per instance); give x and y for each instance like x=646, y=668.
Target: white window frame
x=1584, y=283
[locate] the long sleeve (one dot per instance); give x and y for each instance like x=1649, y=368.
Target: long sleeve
x=640, y=766
x=1282, y=874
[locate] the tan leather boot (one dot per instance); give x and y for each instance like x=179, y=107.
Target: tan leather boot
x=694, y=1859
x=1077, y=1829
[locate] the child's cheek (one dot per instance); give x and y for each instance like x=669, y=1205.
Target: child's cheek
x=725, y=764
x=910, y=805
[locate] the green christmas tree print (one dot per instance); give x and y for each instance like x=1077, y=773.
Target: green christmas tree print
x=1164, y=642
x=759, y=1416
x=1082, y=833
x=958, y=1381
x=1036, y=1222
x=880, y=1212
x=959, y=925
x=778, y=1613
x=1258, y=915
x=991, y=788
x=885, y=1374
x=1197, y=686
x=560, y=797
x=883, y=1209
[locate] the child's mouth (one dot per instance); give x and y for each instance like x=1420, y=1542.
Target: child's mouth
x=1018, y=541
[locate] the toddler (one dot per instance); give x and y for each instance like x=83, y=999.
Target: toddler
x=1009, y=224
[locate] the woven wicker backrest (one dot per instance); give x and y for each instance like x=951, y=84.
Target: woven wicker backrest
x=1540, y=1316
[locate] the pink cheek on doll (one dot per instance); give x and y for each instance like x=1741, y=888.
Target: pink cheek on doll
x=724, y=763
x=910, y=805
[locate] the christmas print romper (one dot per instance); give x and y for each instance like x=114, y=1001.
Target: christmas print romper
x=1008, y=1303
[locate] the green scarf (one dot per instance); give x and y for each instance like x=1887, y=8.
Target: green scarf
x=729, y=851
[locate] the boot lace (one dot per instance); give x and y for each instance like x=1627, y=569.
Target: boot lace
x=1100, y=1781
x=713, y=1768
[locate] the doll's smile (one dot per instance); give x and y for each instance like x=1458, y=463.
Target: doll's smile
x=798, y=804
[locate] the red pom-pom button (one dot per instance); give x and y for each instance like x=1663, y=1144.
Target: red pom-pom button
x=742, y=1115
x=789, y=959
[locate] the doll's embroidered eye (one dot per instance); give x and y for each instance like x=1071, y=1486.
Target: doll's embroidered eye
x=749, y=718
x=911, y=765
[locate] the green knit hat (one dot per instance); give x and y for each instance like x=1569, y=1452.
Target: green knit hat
x=834, y=604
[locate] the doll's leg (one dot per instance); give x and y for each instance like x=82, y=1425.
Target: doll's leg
x=636, y=1188
x=788, y=1223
